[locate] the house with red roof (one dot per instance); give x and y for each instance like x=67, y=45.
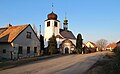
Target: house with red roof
x=18, y=42
x=111, y=46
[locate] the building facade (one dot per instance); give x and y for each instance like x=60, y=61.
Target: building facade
x=18, y=42
x=53, y=27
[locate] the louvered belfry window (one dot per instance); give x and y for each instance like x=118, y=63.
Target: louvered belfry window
x=55, y=24
x=48, y=24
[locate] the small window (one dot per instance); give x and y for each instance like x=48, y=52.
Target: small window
x=55, y=24
x=48, y=24
x=28, y=50
x=28, y=35
x=35, y=49
x=4, y=50
x=20, y=50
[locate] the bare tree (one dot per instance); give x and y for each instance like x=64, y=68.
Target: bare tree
x=101, y=44
x=34, y=28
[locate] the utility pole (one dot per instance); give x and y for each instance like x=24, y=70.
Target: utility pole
x=40, y=39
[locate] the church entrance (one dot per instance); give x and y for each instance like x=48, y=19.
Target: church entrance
x=66, y=50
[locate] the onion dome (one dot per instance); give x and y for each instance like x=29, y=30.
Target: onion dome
x=52, y=16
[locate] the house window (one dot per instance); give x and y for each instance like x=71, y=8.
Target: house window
x=20, y=50
x=35, y=49
x=29, y=35
x=48, y=24
x=28, y=50
x=55, y=24
x=4, y=50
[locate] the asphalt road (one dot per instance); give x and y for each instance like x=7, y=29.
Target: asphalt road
x=71, y=64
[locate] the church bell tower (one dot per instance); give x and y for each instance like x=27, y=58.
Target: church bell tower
x=52, y=26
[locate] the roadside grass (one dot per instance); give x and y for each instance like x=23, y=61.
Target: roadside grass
x=110, y=64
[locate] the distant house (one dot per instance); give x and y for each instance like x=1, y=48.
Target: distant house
x=111, y=46
x=86, y=50
x=118, y=43
x=18, y=42
x=91, y=46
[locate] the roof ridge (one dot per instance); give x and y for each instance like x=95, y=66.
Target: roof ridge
x=14, y=31
x=13, y=26
x=20, y=25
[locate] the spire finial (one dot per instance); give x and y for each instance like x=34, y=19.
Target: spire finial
x=52, y=7
x=65, y=16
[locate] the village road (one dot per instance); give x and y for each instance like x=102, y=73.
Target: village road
x=71, y=64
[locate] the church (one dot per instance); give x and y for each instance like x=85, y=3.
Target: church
x=66, y=40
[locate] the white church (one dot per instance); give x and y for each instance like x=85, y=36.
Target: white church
x=65, y=38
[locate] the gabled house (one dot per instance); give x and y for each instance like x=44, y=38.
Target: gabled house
x=91, y=46
x=86, y=50
x=18, y=42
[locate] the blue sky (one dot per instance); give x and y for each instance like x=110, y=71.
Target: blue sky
x=94, y=19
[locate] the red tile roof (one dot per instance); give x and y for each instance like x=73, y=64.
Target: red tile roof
x=112, y=45
x=11, y=33
x=93, y=44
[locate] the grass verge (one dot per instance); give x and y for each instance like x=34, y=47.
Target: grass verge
x=108, y=65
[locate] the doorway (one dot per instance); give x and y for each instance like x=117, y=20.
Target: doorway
x=66, y=50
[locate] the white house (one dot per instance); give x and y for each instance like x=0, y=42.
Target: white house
x=53, y=27
x=18, y=42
